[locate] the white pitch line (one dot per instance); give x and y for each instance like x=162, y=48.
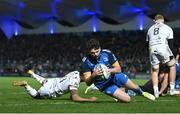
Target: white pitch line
x=158, y=100
x=22, y=104
x=165, y=100
x=58, y=103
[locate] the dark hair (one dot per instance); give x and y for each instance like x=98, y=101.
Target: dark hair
x=92, y=44
x=163, y=69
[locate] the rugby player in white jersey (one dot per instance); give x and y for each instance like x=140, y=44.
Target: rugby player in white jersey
x=53, y=87
x=160, y=43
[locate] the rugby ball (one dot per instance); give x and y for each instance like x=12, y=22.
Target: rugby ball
x=104, y=68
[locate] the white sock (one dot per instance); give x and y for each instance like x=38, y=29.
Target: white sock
x=31, y=91
x=92, y=86
x=172, y=86
x=38, y=78
x=156, y=91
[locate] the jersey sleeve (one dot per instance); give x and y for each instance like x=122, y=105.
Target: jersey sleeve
x=112, y=58
x=85, y=66
x=74, y=80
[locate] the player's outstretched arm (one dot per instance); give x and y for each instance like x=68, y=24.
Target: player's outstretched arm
x=75, y=97
x=164, y=83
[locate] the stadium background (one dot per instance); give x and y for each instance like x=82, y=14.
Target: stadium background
x=50, y=35
x=41, y=32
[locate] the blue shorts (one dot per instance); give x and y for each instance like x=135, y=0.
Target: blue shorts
x=119, y=80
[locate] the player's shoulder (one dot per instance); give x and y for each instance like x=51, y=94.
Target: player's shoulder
x=84, y=59
x=106, y=51
x=167, y=26
x=151, y=28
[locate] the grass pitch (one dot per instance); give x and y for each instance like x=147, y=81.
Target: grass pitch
x=16, y=100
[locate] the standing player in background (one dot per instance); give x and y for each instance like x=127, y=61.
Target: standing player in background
x=160, y=43
x=113, y=84
x=54, y=87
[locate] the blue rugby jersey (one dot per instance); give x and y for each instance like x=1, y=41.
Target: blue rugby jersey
x=106, y=57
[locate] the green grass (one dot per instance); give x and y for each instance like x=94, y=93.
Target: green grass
x=15, y=99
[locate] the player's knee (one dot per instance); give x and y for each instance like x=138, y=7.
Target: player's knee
x=125, y=100
x=155, y=67
x=128, y=99
x=171, y=63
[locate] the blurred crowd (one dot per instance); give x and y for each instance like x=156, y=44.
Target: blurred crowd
x=56, y=54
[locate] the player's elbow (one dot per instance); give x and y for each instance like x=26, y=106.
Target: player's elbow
x=76, y=98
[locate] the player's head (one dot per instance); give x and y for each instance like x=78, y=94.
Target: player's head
x=164, y=69
x=93, y=48
x=159, y=18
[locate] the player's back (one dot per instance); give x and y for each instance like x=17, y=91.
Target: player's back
x=66, y=83
x=158, y=34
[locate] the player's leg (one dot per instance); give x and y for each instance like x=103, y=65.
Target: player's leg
x=154, y=76
x=91, y=88
x=121, y=79
x=40, y=79
x=130, y=85
x=154, y=71
x=171, y=62
x=121, y=95
x=117, y=93
x=172, y=75
x=31, y=91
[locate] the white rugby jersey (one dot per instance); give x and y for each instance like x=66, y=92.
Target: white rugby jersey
x=158, y=34
x=59, y=86
x=69, y=82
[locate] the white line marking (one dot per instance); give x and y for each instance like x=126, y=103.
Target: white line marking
x=22, y=104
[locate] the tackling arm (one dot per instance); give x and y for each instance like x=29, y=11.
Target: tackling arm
x=164, y=83
x=75, y=97
x=178, y=54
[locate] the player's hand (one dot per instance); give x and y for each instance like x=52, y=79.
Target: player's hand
x=93, y=99
x=98, y=72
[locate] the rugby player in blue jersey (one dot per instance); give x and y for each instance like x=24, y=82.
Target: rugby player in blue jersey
x=111, y=86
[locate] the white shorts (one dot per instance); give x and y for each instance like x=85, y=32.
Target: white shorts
x=160, y=53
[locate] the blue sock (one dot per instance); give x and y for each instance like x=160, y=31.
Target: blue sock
x=138, y=91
